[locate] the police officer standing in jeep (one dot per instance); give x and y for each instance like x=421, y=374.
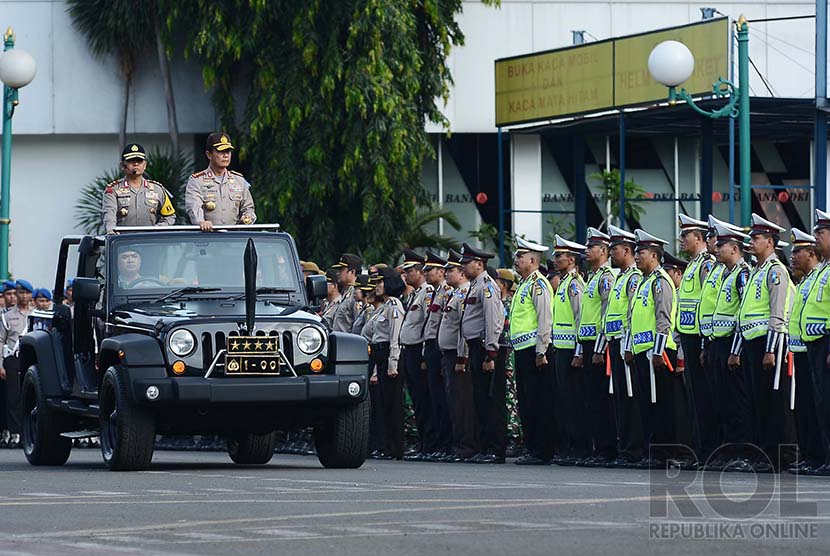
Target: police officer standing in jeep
x=216, y=195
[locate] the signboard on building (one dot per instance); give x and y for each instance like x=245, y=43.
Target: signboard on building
x=603, y=75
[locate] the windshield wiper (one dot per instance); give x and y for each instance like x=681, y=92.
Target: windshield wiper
x=183, y=291
x=265, y=290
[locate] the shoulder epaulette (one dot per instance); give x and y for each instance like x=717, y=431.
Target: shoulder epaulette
x=154, y=182
x=198, y=174
x=235, y=173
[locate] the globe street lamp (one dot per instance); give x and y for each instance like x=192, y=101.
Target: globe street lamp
x=17, y=69
x=671, y=63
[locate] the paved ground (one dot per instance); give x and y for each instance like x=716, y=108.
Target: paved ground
x=199, y=503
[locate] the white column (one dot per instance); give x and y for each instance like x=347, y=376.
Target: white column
x=526, y=181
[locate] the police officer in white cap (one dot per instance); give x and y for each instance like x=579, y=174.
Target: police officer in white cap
x=763, y=325
x=531, y=317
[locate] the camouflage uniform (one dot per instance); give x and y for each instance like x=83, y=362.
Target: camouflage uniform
x=514, y=427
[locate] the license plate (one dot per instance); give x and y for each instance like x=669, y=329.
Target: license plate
x=252, y=355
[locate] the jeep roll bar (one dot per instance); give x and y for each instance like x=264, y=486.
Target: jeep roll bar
x=194, y=228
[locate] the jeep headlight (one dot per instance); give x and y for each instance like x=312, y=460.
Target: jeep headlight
x=182, y=342
x=310, y=340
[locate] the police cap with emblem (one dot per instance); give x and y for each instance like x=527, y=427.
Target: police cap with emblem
x=727, y=233
x=219, y=141
x=562, y=245
x=332, y=276
x=434, y=261
x=618, y=235
x=364, y=283
x=595, y=237
x=714, y=223
x=822, y=220
x=800, y=239
x=133, y=151
x=411, y=259
x=672, y=262
x=469, y=254
x=453, y=260
x=763, y=226
x=524, y=246
x=647, y=241
x=689, y=224
x=350, y=261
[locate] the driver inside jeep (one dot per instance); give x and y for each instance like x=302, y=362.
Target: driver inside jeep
x=129, y=270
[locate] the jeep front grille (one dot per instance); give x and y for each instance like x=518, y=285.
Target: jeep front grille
x=212, y=343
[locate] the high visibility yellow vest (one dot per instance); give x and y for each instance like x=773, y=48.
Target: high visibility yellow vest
x=815, y=315
x=617, y=312
x=590, y=316
x=524, y=322
x=688, y=296
x=728, y=304
x=643, y=318
x=709, y=297
x=564, y=323
x=753, y=317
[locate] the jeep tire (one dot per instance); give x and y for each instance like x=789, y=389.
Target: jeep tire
x=42, y=426
x=343, y=441
x=252, y=449
x=127, y=429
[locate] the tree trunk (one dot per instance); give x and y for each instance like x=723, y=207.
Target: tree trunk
x=122, y=134
x=164, y=67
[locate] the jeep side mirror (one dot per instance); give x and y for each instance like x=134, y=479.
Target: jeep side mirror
x=85, y=290
x=316, y=288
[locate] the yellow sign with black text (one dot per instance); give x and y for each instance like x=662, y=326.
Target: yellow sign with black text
x=603, y=75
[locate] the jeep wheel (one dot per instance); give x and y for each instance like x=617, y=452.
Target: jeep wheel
x=127, y=429
x=252, y=449
x=343, y=442
x=42, y=426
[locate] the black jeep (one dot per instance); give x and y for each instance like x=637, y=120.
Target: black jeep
x=178, y=331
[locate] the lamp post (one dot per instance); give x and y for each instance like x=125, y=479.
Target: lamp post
x=17, y=69
x=671, y=63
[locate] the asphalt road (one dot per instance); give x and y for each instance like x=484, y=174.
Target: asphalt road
x=199, y=503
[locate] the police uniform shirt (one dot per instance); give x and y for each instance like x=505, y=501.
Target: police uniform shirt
x=345, y=312
x=539, y=293
x=148, y=205
x=449, y=329
x=778, y=282
x=604, y=284
x=13, y=324
x=388, y=328
x=632, y=286
x=576, y=289
x=331, y=308
x=414, y=322
x=662, y=291
x=362, y=318
x=222, y=200
x=371, y=314
x=435, y=307
x=483, y=316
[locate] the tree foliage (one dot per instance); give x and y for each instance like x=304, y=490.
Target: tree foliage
x=634, y=195
x=327, y=102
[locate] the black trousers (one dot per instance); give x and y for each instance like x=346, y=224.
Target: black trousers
x=438, y=397
x=658, y=419
x=377, y=431
x=391, y=390
x=459, y=392
x=489, y=395
x=418, y=385
x=772, y=421
x=735, y=399
x=599, y=403
x=807, y=428
x=574, y=437
x=626, y=409
x=703, y=390
x=817, y=354
x=534, y=388
x=13, y=382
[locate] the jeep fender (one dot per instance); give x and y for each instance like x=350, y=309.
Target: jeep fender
x=142, y=358
x=36, y=348
x=349, y=353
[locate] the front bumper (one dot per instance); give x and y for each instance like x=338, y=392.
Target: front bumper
x=256, y=390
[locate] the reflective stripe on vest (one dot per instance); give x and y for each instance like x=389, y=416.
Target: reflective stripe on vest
x=753, y=317
x=688, y=297
x=524, y=322
x=709, y=298
x=618, y=302
x=590, y=316
x=643, y=318
x=794, y=341
x=563, y=333
x=814, y=316
x=728, y=304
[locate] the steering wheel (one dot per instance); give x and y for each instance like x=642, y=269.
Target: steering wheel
x=153, y=281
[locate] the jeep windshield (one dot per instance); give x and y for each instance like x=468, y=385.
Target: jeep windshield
x=204, y=264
